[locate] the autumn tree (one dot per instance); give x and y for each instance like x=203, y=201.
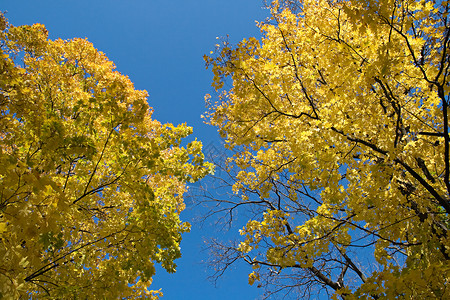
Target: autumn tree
x=338, y=119
x=91, y=187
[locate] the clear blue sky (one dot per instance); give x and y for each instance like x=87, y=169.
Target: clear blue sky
x=159, y=44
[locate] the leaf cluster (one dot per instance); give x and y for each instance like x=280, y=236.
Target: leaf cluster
x=91, y=187
x=338, y=118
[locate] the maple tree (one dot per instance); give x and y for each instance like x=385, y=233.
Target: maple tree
x=91, y=187
x=338, y=121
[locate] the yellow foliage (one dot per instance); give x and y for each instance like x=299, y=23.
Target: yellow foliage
x=338, y=118
x=91, y=187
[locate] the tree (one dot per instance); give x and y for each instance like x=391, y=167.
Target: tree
x=91, y=187
x=338, y=119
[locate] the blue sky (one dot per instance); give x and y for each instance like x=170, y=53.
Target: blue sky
x=160, y=44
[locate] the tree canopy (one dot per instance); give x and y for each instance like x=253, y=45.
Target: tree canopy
x=338, y=120
x=91, y=187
